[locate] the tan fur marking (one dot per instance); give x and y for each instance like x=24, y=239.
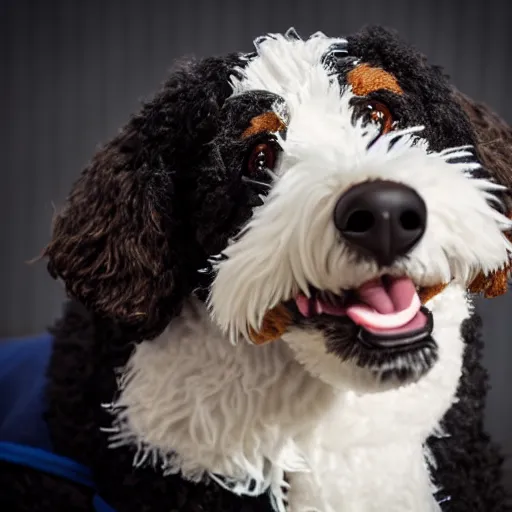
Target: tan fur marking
x=495, y=283
x=429, y=292
x=268, y=122
x=275, y=324
x=366, y=79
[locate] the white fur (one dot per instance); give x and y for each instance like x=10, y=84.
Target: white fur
x=281, y=62
x=391, y=477
x=231, y=411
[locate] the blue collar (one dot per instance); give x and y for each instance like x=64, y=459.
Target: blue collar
x=48, y=462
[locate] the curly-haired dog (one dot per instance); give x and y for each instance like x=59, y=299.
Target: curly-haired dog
x=269, y=269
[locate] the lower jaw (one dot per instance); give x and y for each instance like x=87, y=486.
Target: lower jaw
x=402, y=340
x=399, y=365
x=400, y=358
x=407, y=368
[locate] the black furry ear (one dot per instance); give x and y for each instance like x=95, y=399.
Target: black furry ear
x=122, y=245
x=494, y=149
x=113, y=244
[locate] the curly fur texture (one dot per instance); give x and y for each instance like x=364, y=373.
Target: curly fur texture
x=465, y=445
x=135, y=242
x=494, y=140
x=24, y=489
x=118, y=244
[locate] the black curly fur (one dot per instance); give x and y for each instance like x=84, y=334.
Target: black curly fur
x=27, y=490
x=469, y=464
x=142, y=219
x=124, y=244
x=426, y=98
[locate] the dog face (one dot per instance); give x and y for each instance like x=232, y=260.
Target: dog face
x=366, y=174
x=322, y=191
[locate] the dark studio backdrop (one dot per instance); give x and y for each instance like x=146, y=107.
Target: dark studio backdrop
x=71, y=72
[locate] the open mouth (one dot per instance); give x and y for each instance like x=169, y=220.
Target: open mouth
x=388, y=311
x=381, y=326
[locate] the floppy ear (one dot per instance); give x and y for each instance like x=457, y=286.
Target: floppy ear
x=494, y=149
x=122, y=244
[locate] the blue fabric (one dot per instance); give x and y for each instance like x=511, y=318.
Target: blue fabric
x=100, y=505
x=46, y=461
x=53, y=464
x=24, y=436
x=23, y=364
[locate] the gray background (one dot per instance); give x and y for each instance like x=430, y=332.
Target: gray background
x=72, y=71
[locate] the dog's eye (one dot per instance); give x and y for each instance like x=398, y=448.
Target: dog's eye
x=262, y=156
x=379, y=113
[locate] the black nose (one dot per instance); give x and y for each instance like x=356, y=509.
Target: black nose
x=381, y=219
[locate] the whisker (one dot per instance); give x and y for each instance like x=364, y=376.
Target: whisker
x=218, y=257
x=458, y=154
x=271, y=173
x=406, y=131
x=455, y=149
x=240, y=234
x=255, y=182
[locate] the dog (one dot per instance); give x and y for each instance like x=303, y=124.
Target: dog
x=270, y=273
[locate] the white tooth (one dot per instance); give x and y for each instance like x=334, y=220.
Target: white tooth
x=319, y=308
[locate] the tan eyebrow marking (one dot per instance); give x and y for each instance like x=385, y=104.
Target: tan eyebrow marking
x=366, y=79
x=267, y=122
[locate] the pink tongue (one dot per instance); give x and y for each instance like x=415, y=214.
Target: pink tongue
x=375, y=295
x=393, y=306
x=303, y=304
x=385, y=307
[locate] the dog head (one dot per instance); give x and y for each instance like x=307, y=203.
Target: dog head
x=324, y=191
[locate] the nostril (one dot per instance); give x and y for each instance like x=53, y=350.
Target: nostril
x=411, y=220
x=360, y=221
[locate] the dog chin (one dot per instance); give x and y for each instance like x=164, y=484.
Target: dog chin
x=373, y=361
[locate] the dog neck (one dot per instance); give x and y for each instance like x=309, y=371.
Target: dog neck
x=193, y=403
x=243, y=415
x=393, y=476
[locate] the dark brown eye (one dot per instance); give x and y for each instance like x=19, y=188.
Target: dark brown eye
x=262, y=156
x=380, y=113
